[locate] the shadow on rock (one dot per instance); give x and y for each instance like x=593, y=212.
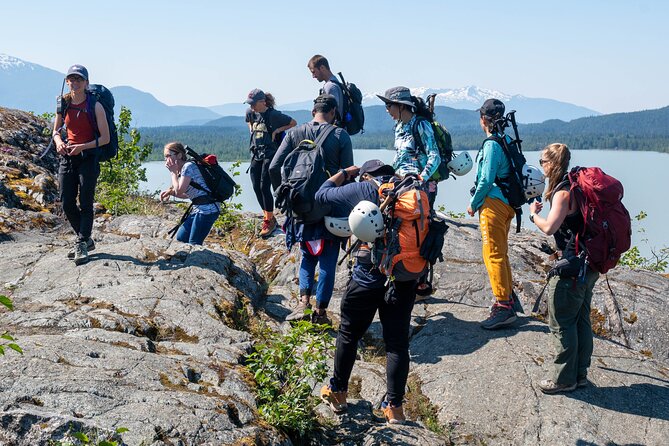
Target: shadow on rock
x=645, y=400
x=443, y=334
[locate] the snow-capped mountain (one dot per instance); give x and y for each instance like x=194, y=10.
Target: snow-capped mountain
x=8, y=62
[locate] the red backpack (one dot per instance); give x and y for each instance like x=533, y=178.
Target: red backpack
x=607, y=229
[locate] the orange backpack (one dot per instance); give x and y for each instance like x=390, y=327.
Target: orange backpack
x=407, y=220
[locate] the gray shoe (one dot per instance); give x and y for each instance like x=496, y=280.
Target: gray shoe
x=90, y=246
x=81, y=253
x=582, y=381
x=500, y=316
x=298, y=313
x=550, y=387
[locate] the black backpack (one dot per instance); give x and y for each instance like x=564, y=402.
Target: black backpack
x=354, y=116
x=302, y=174
x=101, y=94
x=511, y=186
x=219, y=186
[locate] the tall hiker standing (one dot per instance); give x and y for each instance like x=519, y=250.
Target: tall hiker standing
x=87, y=129
x=495, y=217
x=333, y=148
x=320, y=70
x=267, y=126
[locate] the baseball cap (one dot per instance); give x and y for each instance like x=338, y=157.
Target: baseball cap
x=492, y=108
x=376, y=168
x=254, y=96
x=79, y=70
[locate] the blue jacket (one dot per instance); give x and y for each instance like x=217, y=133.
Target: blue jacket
x=491, y=163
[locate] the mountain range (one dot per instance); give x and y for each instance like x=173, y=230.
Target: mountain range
x=29, y=86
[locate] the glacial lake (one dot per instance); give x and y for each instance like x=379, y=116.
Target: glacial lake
x=645, y=176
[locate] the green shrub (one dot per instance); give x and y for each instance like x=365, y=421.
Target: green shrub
x=286, y=368
x=7, y=302
x=92, y=438
x=118, y=184
x=633, y=258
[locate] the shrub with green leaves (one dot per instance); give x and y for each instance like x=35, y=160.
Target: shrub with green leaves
x=92, y=438
x=8, y=340
x=286, y=368
x=118, y=184
x=633, y=258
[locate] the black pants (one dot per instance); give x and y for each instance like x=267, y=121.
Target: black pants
x=78, y=176
x=358, y=308
x=262, y=185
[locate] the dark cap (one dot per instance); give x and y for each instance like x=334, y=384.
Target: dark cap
x=492, y=108
x=79, y=70
x=254, y=96
x=325, y=103
x=376, y=168
x=397, y=95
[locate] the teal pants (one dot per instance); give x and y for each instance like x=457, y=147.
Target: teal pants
x=569, y=304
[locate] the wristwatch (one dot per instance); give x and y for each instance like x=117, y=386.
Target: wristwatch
x=532, y=217
x=343, y=172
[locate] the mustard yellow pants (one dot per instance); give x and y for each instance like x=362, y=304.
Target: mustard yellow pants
x=495, y=221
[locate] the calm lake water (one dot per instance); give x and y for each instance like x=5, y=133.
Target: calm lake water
x=645, y=176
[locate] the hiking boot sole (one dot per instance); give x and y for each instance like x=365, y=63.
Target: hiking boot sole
x=70, y=255
x=338, y=409
x=560, y=389
x=82, y=260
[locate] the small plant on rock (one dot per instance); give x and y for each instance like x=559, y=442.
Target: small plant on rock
x=92, y=438
x=286, y=368
x=7, y=303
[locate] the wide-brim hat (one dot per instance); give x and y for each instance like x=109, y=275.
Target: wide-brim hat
x=397, y=95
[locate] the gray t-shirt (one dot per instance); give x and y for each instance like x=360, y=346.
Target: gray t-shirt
x=337, y=149
x=331, y=87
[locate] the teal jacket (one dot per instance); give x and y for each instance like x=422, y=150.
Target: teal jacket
x=491, y=163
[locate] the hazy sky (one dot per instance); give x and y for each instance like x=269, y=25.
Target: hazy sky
x=610, y=56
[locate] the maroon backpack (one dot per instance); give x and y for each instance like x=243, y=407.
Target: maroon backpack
x=607, y=229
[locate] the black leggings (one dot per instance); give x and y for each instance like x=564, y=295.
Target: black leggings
x=78, y=176
x=358, y=308
x=262, y=185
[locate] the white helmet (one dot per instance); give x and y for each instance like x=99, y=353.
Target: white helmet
x=338, y=226
x=534, y=184
x=366, y=221
x=461, y=164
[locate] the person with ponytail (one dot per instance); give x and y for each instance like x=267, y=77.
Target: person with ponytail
x=412, y=157
x=78, y=170
x=205, y=209
x=267, y=127
x=570, y=290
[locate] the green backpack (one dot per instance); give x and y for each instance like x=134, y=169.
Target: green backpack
x=444, y=143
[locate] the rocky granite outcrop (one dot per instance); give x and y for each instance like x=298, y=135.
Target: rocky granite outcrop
x=146, y=336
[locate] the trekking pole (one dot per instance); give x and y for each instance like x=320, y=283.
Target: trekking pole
x=349, y=251
x=430, y=102
x=511, y=116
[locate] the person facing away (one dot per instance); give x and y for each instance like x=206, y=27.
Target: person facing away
x=569, y=292
x=266, y=126
x=320, y=70
x=368, y=291
x=413, y=120
x=78, y=170
x=317, y=245
x=495, y=217
x=184, y=174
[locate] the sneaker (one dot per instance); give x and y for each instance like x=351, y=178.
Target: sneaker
x=500, y=316
x=90, y=246
x=321, y=318
x=80, y=253
x=516, y=304
x=550, y=387
x=336, y=400
x=298, y=313
x=268, y=226
x=582, y=381
x=393, y=414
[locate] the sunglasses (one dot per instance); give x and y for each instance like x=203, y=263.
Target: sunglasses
x=75, y=78
x=388, y=106
x=542, y=161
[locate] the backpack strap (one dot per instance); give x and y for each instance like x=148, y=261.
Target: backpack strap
x=90, y=111
x=320, y=139
x=416, y=135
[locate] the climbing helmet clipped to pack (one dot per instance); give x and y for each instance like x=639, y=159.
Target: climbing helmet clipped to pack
x=366, y=221
x=338, y=226
x=534, y=181
x=461, y=164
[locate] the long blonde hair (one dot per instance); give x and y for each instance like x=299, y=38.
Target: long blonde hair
x=558, y=157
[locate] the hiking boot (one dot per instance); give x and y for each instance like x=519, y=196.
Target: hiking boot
x=393, y=414
x=500, y=316
x=90, y=246
x=298, y=313
x=550, y=387
x=268, y=227
x=336, y=400
x=321, y=318
x=81, y=253
x=516, y=304
x=582, y=381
